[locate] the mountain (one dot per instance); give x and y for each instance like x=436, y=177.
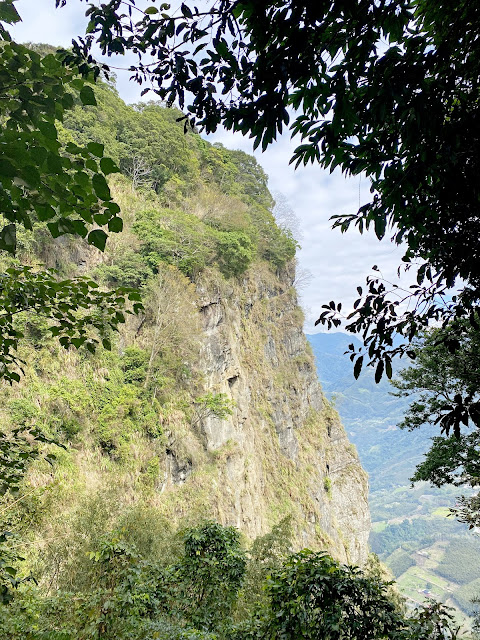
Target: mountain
x=370, y=413
x=208, y=403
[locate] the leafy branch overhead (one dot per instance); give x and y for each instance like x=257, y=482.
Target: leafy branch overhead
x=44, y=179
x=74, y=307
x=41, y=179
x=444, y=389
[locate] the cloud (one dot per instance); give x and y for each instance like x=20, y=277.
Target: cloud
x=41, y=22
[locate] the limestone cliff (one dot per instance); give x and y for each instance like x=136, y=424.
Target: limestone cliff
x=283, y=451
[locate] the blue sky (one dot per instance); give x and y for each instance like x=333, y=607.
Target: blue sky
x=338, y=262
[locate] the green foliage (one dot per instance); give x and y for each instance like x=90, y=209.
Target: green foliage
x=109, y=412
x=17, y=450
x=144, y=139
x=440, y=377
x=9, y=575
x=281, y=246
x=327, y=485
x=312, y=596
x=66, y=187
x=212, y=405
x=129, y=270
x=374, y=568
x=152, y=149
x=209, y=576
x=399, y=562
x=444, y=383
x=131, y=596
x=266, y=554
x=467, y=597
x=75, y=307
x=127, y=597
x=176, y=238
x=235, y=253
x=134, y=365
x=62, y=186
x=419, y=531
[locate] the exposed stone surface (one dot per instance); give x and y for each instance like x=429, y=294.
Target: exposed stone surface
x=283, y=451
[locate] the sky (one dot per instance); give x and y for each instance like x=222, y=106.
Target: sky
x=337, y=262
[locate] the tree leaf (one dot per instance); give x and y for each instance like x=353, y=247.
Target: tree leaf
x=48, y=129
x=97, y=238
x=358, y=367
x=87, y=96
x=8, y=13
x=101, y=187
x=8, y=238
x=107, y=165
x=388, y=368
x=115, y=225
x=96, y=149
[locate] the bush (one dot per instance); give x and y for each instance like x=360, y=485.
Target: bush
x=175, y=238
x=129, y=270
x=134, y=365
x=281, y=246
x=235, y=251
x=313, y=597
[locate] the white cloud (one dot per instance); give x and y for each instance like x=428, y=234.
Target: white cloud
x=41, y=22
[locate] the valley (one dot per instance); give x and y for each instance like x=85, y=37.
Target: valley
x=412, y=529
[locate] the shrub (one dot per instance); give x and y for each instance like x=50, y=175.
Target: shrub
x=235, y=252
x=134, y=365
x=129, y=270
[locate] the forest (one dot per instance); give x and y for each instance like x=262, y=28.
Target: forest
x=112, y=567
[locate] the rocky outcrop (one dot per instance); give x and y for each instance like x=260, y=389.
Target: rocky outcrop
x=283, y=450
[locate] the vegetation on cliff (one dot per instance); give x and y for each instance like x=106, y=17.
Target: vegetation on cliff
x=387, y=90
x=85, y=431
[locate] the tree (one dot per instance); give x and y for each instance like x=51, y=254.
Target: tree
x=209, y=576
x=62, y=186
x=313, y=597
x=138, y=171
x=388, y=89
x=445, y=387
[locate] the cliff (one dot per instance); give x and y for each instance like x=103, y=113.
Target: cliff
x=208, y=404
x=283, y=451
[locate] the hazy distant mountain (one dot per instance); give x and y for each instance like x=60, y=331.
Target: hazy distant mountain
x=370, y=413
x=410, y=530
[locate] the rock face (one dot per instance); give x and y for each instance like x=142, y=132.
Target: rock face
x=283, y=452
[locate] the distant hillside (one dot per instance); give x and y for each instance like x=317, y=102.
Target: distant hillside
x=370, y=413
x=411, y=528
